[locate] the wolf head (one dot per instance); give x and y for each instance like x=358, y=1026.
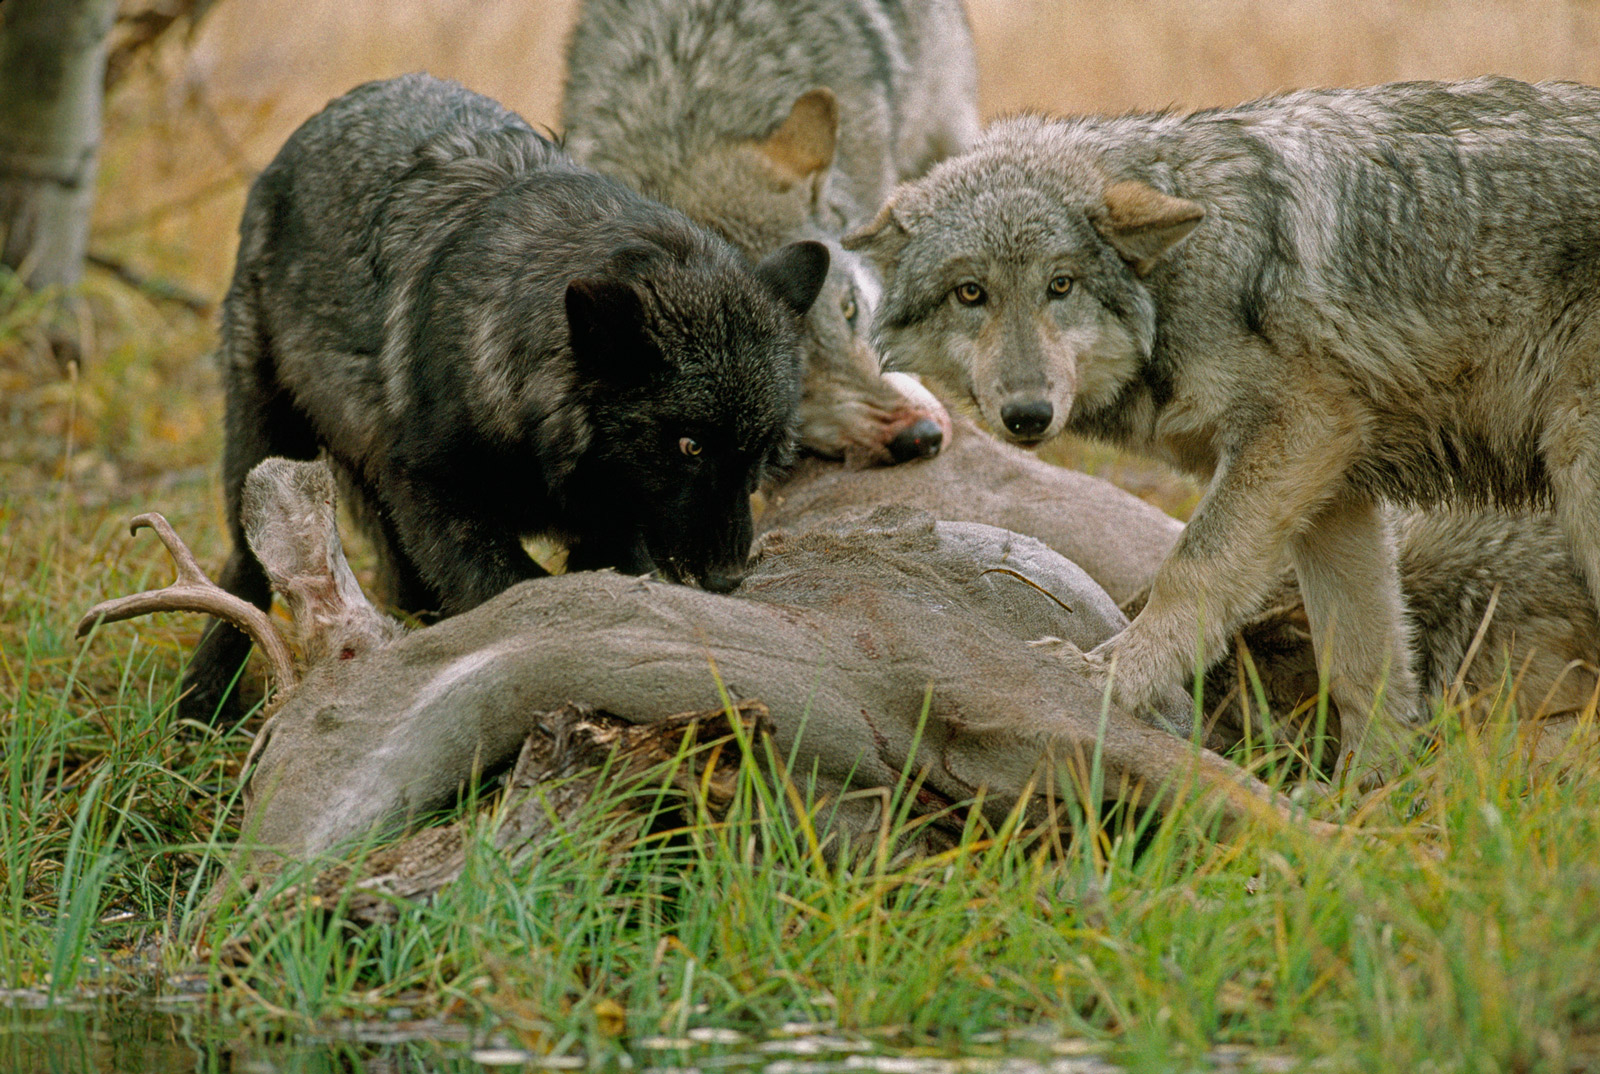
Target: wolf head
x=757, y=192
x=1016, y=274
x=849, y=409
x=690, y=376
x=760, y=193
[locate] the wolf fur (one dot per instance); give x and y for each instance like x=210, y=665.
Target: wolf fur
x=775, y=120
x=1312, y=302
x=489, y=342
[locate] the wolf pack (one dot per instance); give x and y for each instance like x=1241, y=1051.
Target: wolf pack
x=1365, y=321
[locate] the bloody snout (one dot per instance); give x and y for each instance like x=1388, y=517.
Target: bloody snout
x=922, y=439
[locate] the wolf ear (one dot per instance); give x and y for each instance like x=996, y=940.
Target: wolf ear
x=795, y=273
x=1142, y=223
x=802, y=146
x=881, y=239
x=605, y=322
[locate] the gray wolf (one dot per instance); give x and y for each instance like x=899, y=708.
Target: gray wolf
x=1312, y=303
x=775, y=120
x=489, y=341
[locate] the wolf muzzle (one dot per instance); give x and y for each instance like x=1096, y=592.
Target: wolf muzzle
x=922, y=439
x=723, y=580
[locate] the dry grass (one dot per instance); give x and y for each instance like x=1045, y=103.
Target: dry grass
x=1079, y=55
x=186, y=133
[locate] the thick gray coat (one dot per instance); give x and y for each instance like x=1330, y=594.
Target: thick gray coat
x=1314, y=302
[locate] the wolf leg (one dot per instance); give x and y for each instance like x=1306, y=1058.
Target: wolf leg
x=1569, y=444
x=1571, y=450
x=402, y=585
x=1349, y=577
x=261, y=421
x=1231, y=553
x=459, y=549
x=938, y=109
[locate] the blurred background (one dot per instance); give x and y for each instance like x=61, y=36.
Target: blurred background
x=186, y=132
x=192, y=119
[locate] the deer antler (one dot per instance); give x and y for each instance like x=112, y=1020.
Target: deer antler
x=194, y=592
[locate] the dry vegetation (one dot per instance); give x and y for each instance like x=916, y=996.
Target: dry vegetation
x=188, y=130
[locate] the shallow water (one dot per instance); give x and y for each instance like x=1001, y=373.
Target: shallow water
x=162, y=1038
x=182, y=1036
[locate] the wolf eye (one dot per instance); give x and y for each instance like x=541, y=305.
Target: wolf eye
x=970, y=294
x=848, y=308
x=688, y=445
x=1060, y=285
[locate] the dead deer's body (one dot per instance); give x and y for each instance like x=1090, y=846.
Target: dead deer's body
x=1117, y=538
x=1453, y=564
x=835, y=630
x=863, y=637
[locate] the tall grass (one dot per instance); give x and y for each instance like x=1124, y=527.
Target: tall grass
x=1464, y=935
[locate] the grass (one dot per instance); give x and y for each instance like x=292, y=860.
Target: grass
x=1467, y=937
x=1464, y=937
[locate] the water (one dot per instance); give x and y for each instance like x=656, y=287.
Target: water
x=158, y=1038
x=182, y=1036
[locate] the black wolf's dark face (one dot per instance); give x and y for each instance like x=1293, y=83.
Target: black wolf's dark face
x=692, y=383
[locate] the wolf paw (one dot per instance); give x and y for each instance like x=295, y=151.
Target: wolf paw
x=1074, y=657
x=1089, y=666
x=1159, y=704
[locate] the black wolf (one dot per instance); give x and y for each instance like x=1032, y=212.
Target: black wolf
x=489, y=342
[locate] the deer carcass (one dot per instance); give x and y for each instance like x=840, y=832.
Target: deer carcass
x=881, y=646
x=1486, y=591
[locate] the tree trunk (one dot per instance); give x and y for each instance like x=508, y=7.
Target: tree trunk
x=52, y=73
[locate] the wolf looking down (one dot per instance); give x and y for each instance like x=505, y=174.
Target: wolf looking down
x=775, y=120
x=490, y=341
x=1314, y=303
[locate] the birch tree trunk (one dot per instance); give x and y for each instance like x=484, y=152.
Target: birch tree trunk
x=52, y=73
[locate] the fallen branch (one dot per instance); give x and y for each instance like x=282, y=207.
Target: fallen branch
x=158, y=289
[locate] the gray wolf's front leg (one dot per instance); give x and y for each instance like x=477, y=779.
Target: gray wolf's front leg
x=1572, y=458
x=1268, y=491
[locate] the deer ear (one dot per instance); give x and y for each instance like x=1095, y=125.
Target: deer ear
x=287, y=510
x=802, y=147
x=882, y=238
x=795, y=273
x=1142, y=224
x=606, y=325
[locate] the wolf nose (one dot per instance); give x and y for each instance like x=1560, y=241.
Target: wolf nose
x=1027, y=421
x=922, y=439
x=721, y=581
